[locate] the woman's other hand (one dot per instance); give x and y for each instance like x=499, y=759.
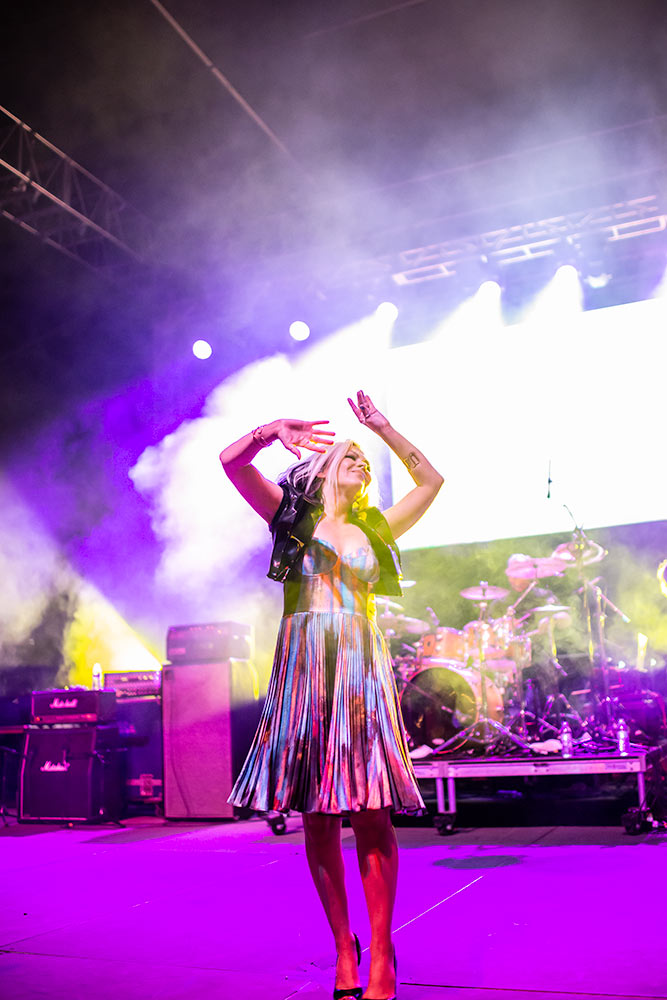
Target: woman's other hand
x=367, y=413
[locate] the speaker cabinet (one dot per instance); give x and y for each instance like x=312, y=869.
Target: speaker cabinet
x=140, y=724
x=70, y=773
x=209, y=715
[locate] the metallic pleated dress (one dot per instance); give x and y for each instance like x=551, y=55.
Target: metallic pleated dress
x=331, y=737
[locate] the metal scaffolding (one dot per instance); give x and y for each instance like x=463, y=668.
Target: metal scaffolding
x=514, y=244
x=46, y=193
x=562, y=237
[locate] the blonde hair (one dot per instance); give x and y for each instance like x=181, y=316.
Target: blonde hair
x=312, y=476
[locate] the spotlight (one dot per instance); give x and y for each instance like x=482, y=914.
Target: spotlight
x=299, y=330
x=387, y=312
x=567, y=272
x=490, y=288
x=202, y=349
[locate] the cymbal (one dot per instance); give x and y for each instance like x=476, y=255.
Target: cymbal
x=484, y=592
x=550, y=609
x=583, y=553
x=399, y=625
x=414, y=626
x=536, y=568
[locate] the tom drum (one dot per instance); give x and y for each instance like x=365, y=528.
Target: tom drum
x=444, y=644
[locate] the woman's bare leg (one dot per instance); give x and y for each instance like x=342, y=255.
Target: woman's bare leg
x=377, y=851
x=325, y=860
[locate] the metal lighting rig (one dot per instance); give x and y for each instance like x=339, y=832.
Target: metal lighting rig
x=514, y=244
x=46, y=193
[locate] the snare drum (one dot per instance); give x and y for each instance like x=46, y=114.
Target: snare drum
x=441, y=700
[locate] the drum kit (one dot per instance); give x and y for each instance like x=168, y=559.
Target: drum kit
x=471, y=688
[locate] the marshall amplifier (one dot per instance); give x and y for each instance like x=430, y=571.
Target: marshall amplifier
x=70, y=773
x=75, y=705
x=208, y=643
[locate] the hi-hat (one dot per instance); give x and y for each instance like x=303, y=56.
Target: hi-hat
x=484, y=592
x=388, y=605
x=535, y=569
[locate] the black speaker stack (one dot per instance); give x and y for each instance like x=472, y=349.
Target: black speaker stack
x=69, y=766
x=173, y=739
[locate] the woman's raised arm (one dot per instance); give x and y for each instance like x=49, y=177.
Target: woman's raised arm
x=407, y=511
x=262, y=494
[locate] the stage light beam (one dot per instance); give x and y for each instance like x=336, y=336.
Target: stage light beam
x=561, y=299
x=387, y=312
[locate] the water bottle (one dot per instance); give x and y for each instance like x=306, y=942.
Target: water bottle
x=97, y=676
x=566, y=741
x=623, y=738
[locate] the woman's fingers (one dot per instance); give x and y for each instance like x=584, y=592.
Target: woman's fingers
x=296, y=434
x=363, y=408
x=355, y=409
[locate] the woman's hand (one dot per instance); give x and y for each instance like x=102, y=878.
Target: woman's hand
x=367, y=414
x=296, y=434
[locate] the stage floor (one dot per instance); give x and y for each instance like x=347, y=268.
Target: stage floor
x=172, y=910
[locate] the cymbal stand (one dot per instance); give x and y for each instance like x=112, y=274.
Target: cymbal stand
x=484, y=730
x=524, y=593
x=609, y=714
x=556, y=703
x=521, y=724
x=524, y=713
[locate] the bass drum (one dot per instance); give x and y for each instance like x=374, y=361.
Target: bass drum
x=442, y=699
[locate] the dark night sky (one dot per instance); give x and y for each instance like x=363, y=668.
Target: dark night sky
x=404, y=123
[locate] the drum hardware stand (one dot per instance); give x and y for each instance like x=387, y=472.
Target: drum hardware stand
x=524, y=593
x=608, y=712
x=583, y=551
x=523, y=714
x=491, y=731
x=558, y=704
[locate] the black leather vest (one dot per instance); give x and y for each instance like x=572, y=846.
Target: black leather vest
x=294, y=523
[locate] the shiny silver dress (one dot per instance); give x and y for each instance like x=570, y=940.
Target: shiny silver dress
x=331, y=737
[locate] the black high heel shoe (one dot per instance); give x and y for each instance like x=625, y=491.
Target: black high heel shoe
x=394, y=997
x=354, y=991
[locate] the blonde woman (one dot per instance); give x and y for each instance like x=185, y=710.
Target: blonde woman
x=331, y=741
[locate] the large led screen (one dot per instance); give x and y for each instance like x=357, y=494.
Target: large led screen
x=574, y=397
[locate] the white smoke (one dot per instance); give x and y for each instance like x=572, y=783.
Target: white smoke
x=207, y=531
x=30, y=567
